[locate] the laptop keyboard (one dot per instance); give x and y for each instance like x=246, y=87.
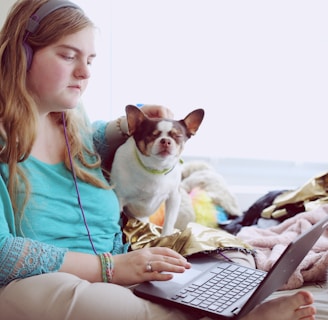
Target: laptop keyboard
x=221, y=287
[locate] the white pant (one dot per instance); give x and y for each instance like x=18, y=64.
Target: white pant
x=62, y=296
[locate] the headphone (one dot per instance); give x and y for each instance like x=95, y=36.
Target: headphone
x=35, y=19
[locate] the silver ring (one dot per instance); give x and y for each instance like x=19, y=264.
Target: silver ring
x=149, y=267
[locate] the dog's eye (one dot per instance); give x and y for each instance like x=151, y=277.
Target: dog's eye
x=156, y=133
x=176, y=135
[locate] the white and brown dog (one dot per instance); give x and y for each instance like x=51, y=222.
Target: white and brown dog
x=146, y=169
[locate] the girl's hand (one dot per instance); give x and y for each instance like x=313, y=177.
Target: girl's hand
x=147, y=264
x=154, y=111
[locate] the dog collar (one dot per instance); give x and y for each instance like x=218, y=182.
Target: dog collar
x=154, y=171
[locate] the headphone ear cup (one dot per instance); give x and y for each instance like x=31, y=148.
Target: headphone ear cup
x=29, y=55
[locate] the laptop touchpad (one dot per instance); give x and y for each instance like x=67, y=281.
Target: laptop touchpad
x=185, y=277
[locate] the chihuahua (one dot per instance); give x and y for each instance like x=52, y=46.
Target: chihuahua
x=146, y=170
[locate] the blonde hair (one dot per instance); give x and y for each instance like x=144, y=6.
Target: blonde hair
x=18, y=111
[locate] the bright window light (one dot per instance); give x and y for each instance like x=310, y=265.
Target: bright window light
x=258, y=68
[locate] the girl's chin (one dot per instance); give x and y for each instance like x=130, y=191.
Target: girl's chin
x=71, y=104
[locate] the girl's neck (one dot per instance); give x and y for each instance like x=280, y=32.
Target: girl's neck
x=49, y=145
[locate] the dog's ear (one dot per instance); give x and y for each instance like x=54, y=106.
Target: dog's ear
x=134, y=117
x=193, y=120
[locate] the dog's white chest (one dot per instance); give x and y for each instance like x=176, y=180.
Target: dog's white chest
x=142, y=190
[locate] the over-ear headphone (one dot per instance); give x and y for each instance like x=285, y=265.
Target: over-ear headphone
x=35, y=19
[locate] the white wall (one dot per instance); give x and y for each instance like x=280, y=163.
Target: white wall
x=4, y=8
x=258, y=68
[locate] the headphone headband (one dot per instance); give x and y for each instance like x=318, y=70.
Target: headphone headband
x=46, y=9
x=35, y=19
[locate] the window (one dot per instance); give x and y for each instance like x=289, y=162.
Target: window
x=258, y=68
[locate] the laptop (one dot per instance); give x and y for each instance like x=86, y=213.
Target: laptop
x=208, y=289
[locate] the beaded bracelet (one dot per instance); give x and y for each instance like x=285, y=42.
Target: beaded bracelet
x=107, y=266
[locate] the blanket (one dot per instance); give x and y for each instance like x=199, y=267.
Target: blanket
x=271, y=242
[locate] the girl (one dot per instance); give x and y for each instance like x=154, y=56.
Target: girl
x=63, y=258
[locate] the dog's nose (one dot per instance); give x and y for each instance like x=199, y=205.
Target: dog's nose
x=165, y=142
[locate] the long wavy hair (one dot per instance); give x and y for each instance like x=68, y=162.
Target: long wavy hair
x=18, y=110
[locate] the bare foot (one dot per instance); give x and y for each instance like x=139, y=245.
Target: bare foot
x=295, y=307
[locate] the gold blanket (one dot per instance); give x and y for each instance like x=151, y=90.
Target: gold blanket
x=311, y=195
x=194, y=239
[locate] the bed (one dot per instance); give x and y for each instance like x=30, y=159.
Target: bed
x=263, y=236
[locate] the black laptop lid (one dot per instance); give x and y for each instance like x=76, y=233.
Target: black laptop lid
x=285, y=266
